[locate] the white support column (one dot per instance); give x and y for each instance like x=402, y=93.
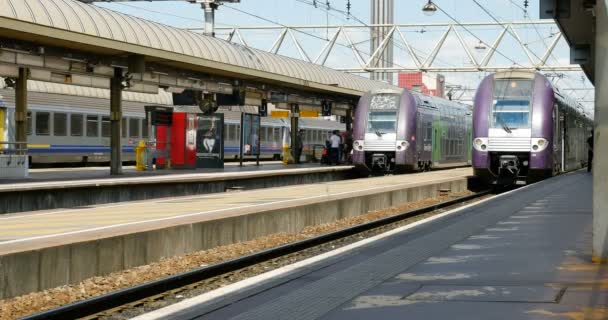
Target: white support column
x=600, y=159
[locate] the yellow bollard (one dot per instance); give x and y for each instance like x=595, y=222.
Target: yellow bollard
x=140, y=150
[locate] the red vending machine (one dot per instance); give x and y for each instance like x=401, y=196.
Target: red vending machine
x=162, y=133
x=183, y=140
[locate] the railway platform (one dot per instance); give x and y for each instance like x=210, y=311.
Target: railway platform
x=74, y=187
x=521, y=255
x=40, y=250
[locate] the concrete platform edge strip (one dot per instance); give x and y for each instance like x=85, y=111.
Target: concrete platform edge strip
x=71, y=195
x=161, y=179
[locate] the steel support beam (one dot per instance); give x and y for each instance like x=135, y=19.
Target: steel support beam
x=21, y=107
x=295, y=114
x=600, y=150
x=115, y=122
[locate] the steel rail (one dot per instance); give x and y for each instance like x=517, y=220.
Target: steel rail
x=125, y=296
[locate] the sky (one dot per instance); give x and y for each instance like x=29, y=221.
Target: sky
x=301, y=12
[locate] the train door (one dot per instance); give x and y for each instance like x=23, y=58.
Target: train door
x=3, y=135
x=557, y=138
x=436, y=137
x=469, y=142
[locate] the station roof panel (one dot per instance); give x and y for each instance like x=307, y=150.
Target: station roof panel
x=81, y=18
x=162, y=98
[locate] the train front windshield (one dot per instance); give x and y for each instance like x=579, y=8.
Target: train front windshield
x=511, y=107
x=382, y=117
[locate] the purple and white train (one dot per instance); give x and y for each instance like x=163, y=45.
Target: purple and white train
x=398, y=131
x=525, y=130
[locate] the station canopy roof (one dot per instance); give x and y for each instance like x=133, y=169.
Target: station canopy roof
x=162, y=98
x=89, y=28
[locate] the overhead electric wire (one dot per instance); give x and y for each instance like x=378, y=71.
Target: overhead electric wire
x=476, y=37
x=502, y=24
x=165, y=13
x=367, y=25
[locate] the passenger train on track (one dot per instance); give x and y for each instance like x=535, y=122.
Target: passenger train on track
x=70, y=124
x=525, y=130
x=398, y=131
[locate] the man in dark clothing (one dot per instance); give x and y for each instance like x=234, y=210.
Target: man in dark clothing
x=299, y=146
x=590, y=152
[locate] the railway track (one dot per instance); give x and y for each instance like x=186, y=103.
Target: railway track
x=116, y=301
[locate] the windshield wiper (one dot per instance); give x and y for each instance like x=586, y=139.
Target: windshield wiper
x=504, y=125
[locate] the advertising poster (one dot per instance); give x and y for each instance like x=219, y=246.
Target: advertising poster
x=210, y=141
x=250, y=134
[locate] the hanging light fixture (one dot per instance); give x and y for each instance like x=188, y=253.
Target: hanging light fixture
x=429, y=8
x=480, y=46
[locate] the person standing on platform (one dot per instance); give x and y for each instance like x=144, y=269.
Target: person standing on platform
x=590, y=152
x=335, y=147
x=347, y=146
x=299, y=145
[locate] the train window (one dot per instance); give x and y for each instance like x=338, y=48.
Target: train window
x=42, y=123
x=29, y=123
x=76, y=125
x=230, y=133
x=92, y=126
x=226, y=131
x=133, y=128
x=144, y=128
x=60, y=124
x=105, y=127
x=124, y=126
x=264, y=133
x=276, y=134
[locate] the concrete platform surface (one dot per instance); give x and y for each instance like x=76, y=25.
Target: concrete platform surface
x=522, y=255
x=41, y=179
x=27, y=231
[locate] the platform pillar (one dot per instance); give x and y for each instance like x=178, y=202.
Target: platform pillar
x=349, y=119
x=115, y=122
x=295, y=114
x=600, y=162
x=21, y=107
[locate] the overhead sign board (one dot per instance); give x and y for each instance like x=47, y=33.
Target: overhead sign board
x=309, y=114
x=279, y=114
x=159, y=115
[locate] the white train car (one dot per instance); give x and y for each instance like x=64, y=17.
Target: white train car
x=71, y=124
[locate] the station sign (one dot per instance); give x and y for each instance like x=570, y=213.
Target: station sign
x=309, y=114
x=279, y=114
x=159, y=115
x=326, y=108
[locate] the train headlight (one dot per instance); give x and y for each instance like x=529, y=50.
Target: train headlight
x=402, y=145
x=358, y=145
x=539, y=144
x=480, y=144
